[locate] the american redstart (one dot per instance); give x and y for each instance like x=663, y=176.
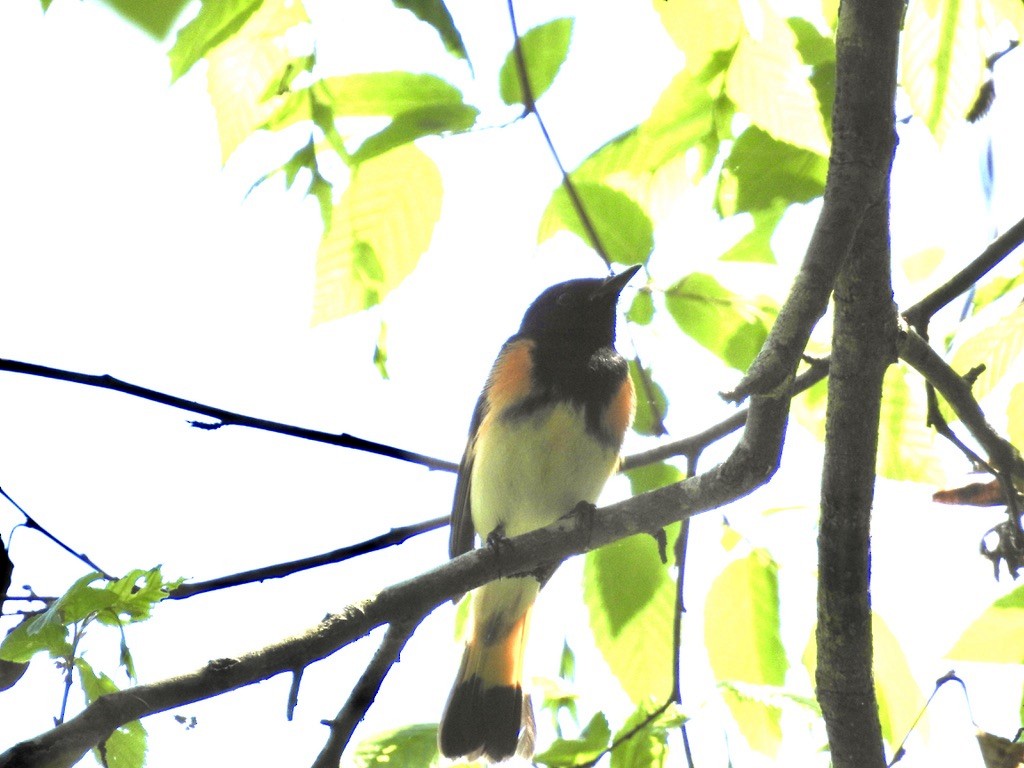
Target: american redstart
x=545, y=436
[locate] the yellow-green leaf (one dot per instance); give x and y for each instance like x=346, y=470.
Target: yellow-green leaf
x=906, y=444
x=622, y=226
x=699, y=29
x=997, y=635
x=379, y=229
x=998, y=347
x=243, y=67
x=943, y=60
x=768, y=81
x=1015, y=416
x=216, y=22
x=544, y=49
x=630, y=596
x=744, y=643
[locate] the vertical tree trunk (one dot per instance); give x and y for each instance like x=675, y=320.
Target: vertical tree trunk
x=863, y=347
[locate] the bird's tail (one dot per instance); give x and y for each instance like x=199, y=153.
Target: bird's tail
x=487, y=713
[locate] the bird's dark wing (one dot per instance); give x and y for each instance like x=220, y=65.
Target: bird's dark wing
x=462, y=532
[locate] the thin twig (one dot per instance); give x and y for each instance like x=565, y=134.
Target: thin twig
x=530, y=105
x=392, y=538
x=363, y=694
x=225, y=417
x=919, y=314
x=32, y=523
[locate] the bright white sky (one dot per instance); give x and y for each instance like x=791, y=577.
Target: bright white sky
x=126, y=249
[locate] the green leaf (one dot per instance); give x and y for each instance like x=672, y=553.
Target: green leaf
x=244, y=69
x=732, y=327
x=135, y=595
x=767, y=81
x=387, y=93
x=411, y=746
x=997, y=635
x=701, y=29
x=544, y=49
x=379, y=229
x=154, y=18
x=647, y=747
x=630, y=596
x=623, y=228
x=380, y=352
x=756, y=245
x=942, y=61
x=434, y=13
x=998, y=347
x=995, y=289
x=900, y=700
x=651, y=403
x=650, y=477
x=743, y=638
x=216, y=22
x=414, y=124
x=570, y=752
x=814, y=48
x=762, y=173
x=126, y=746
x=906, y=445
x=641, y=310
x=34, y=635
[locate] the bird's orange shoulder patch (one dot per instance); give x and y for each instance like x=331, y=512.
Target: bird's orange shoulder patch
x=619, y=414
x=512, y=376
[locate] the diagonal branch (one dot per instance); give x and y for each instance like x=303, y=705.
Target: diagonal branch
x=392, y=538
x=919, y=314
x=362, y=696
x=225, y=417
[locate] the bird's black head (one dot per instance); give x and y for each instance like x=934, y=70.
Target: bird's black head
x=581, y=312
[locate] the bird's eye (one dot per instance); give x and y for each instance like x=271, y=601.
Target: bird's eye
x=564, y=299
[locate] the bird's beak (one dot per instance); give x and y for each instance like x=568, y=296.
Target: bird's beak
x=613, y=285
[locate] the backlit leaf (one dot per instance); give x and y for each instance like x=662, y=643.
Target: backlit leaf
x=942, y=61
x=998, y=347
x=997, y=635
x=701, y=29
x=244, y=67
x=570, y=752
x=379, y=229
x=761, y=173
x=732, y=327
x=544, y=49
x=743, y=638
x=767, y=80
x=411, y=745
x=624, y=230
x=434, y=13
x=630, y=596
x=216, y=21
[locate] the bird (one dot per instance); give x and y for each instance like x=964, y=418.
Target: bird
x=545, y=436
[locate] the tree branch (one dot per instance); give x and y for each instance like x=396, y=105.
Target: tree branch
x=225, y=417
x=863, y=347
x=752, y=463
x=919, y=314
x=863, y=127
x=363, y=695
x=30, y=522
x=392, y=538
